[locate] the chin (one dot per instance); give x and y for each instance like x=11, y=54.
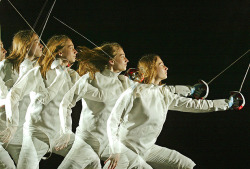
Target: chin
x=123, y=69
x=72, y=61
x=164, y=78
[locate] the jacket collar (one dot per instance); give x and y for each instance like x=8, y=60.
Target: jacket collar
x=107, y=72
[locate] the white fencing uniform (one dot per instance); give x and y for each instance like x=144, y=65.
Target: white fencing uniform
x=81, y=155
x=8, y=77
x=142, y=110
x=92, y=127
x=42, y=125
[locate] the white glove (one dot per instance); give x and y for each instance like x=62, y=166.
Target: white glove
x=236, y=100
x=200, y=90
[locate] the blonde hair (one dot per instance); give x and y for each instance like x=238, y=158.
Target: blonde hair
x=1, y=43
x=20, y=46
x=147, y=66
x=95, y=60
x=54, y=46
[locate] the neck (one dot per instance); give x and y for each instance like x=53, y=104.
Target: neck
x=30, y=57
x=63, y=62
x=114, y=70
x=156, y=81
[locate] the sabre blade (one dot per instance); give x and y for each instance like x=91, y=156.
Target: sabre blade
x=82, y=36
x=228, y=66
x=27, y=23
x=40, y=14
x=47, y=18
x=244, y=78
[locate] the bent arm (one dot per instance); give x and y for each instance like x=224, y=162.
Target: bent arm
x=3, y=87
x=114, y=119
x=69, y=100
x=23, y=87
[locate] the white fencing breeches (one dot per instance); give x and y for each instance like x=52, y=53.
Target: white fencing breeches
x=35, y=146
x=128, y=160
x=5, y=160
x=14, y=151
x=81, y=156
x=161, y=157
x=157, y=157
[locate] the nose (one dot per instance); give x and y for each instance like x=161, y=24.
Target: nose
x=4, y=51
x=166, y=68
x=126, y=59
x=75, y=51
x=41, y=46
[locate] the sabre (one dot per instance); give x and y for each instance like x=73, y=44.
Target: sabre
x=228, y=67
x=82, y=36
x=46, y=20
x=44, y=24
x=27, y=23
x=237, y=96
x=40, y=14
x=244, y=78
x=204, y=85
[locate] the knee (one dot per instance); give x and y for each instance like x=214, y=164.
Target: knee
x=8, y=165
x=96, y=164
x=183, y=161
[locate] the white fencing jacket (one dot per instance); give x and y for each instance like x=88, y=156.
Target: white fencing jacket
x=95, y=113
x=8, y=77
x=139, y=114
x=46, y=95
x=81, y=90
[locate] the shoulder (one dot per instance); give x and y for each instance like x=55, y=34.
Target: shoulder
x=35, y=71
x=73, y=75
x=125, y=79
x=5, y=64
x=26, y=63
x=71, y=71
x=2, y=65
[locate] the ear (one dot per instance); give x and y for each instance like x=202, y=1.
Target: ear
x=111, y=62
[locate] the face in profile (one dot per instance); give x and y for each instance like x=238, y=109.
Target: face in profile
x=161, y=69
x=120, y=61
x=68, y=52
x=36, y=47
x=2, y=51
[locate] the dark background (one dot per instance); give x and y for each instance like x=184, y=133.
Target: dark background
x=195, y=39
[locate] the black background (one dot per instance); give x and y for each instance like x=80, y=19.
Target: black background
x=195, y=39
